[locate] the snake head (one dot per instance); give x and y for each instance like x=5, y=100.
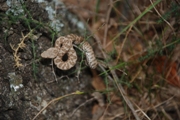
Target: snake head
x=50, y=53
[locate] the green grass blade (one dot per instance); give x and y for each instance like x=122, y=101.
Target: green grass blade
x=135, y=20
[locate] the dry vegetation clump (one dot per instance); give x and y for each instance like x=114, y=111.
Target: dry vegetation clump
x=20, y=45
x=138, y=48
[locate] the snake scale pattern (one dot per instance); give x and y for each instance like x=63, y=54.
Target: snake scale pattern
x=64, y=45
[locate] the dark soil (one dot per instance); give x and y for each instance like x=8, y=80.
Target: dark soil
x=25, y=90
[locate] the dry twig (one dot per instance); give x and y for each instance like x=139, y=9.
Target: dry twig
x=54, y=100
x=106, y=23
x=162, y=17
x=21, y=45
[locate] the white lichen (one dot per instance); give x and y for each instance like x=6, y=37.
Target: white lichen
x=14, y=7
x=15, y=81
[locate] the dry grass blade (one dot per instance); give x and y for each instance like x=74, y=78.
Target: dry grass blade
x=106, y=23
x=135, y=20
x=123, y=44
x=162, y=17
x=124, y=95
x=54, y=100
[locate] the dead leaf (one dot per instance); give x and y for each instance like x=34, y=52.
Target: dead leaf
x=169, y=68
x=97, y=82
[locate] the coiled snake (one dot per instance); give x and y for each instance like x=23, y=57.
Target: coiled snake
x=63, y=45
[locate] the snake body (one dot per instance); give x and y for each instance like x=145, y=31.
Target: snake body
x=64, y=45
x=90, y=57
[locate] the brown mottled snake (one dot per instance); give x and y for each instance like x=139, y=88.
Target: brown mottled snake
x=63, y=45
